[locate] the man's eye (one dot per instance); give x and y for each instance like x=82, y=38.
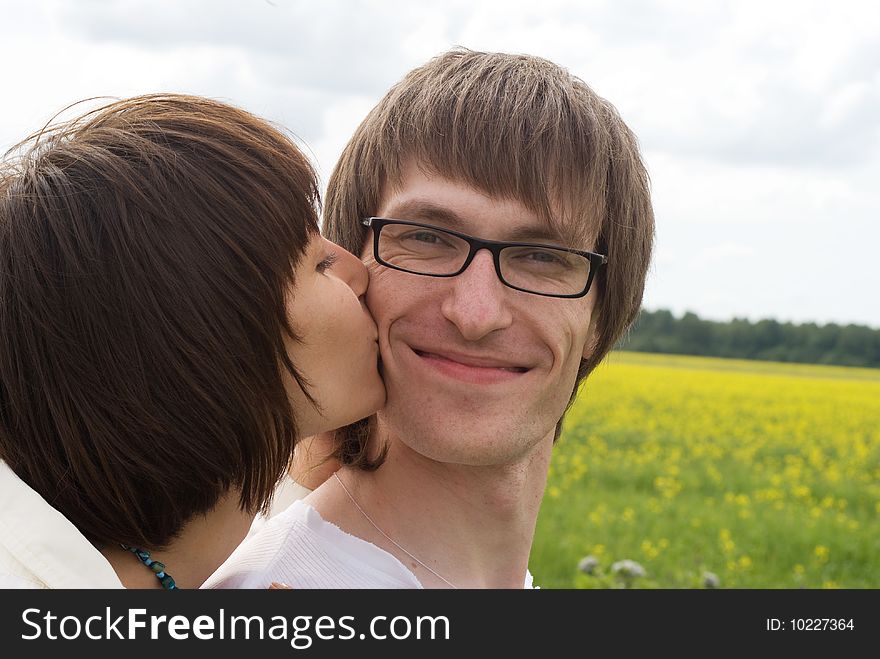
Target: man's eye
x=542, y=256
x=327, y=262
x=423, y=239
x=427, y=237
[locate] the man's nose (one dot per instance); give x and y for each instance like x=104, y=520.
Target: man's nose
x=477, y=301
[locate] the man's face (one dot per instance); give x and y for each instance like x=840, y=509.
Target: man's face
x=476, y=372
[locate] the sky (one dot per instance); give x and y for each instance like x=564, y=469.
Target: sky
x=759, y=121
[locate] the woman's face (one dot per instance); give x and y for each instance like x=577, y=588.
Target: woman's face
x=337, y=353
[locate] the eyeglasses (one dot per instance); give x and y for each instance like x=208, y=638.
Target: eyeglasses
x=422, y=249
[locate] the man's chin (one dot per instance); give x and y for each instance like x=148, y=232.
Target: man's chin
x=467, y=438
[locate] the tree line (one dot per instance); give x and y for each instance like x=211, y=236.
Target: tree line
x=809, y=343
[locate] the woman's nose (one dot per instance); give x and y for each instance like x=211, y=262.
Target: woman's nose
x=352, y=270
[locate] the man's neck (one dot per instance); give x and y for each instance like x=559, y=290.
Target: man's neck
x=472, y=525
x=202, y=546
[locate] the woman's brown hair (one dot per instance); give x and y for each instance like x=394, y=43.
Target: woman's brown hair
x=146, y=251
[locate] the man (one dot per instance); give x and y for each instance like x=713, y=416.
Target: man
x=485, y=192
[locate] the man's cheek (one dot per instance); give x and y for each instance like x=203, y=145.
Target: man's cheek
x=380, y=292
x=380, y=274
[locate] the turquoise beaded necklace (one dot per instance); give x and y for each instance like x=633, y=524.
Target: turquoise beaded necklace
x=157, y=567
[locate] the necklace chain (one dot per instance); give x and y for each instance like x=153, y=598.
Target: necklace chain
x=389, y=538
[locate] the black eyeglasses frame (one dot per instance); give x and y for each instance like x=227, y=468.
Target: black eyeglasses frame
x=475, y=245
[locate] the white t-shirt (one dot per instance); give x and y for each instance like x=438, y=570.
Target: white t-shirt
x=40, y=548
x=286, y=493
x=298, y=548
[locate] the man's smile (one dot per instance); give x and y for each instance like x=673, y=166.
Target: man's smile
x=471, y=368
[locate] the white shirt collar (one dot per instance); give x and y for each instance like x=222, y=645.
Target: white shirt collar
x=40, y=545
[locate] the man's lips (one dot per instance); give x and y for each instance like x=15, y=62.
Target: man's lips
x=473, y=362
x=471, y=368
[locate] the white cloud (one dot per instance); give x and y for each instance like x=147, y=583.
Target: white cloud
x=760, y=121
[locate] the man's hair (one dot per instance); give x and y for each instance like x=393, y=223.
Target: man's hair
x=146, y=249
x=512, y=126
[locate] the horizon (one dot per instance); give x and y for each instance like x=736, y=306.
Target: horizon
x=679, y=315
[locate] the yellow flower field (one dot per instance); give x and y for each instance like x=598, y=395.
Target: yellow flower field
x=715, y=473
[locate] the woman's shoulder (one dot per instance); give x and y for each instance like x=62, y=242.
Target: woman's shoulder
x=38, y=545
x=13, y=581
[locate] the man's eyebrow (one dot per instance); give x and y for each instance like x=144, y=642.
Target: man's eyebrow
x=426, y=211
x=529, y=233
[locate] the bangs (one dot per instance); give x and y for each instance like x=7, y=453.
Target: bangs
x=512, y=135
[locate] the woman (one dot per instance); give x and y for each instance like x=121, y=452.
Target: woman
x=171, y=322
